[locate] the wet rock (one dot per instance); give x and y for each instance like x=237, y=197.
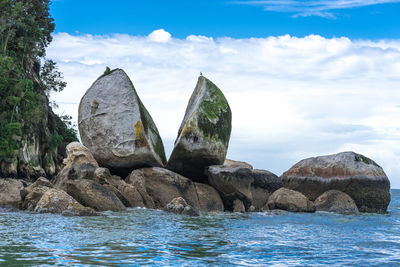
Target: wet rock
x=290, y=200
x=91, y=194
x=238, y=206
x=158, y=186
x=10, y=195
x=116, y=127
x=209, y=199
x=354, y=174
x=179, y=206
x=203, y=136
x=335, y=201
x=57, y=201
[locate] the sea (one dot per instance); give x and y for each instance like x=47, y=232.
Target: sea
x=138, y=237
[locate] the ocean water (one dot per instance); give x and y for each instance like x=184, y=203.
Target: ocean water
x=151, y=237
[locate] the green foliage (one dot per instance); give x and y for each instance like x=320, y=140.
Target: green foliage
x=25, y=32
x=107, y=71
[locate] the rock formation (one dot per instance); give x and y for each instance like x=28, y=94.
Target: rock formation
x=354, y=174
x=203, y=136
x=179, y=206
x=116, y=127
x=239, y=182
x=335, y=201
x=290, y=200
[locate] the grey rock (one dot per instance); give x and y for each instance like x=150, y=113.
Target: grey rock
x=10, y=195
x=203, y=136
x=31, y=194
x=234, y=163
x=209, y=199
x=57, y=201
x=158, y=187
x=354, y=174
x=290, y=200
x=116, y=127
x=179, y=206
x=238, y=206
x=335, y=201
x=91, y=194
x=252, y=187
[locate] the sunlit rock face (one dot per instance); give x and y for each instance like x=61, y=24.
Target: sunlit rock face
x=203, y=136
x=116, y=127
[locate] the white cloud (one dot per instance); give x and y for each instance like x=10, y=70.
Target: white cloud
x=291, y=97
x=322, y=8
x=160, y=36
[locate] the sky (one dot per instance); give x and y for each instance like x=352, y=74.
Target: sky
x=303, y=78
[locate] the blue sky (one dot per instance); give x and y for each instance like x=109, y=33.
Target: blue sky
x=238, y=19
x=303, y=78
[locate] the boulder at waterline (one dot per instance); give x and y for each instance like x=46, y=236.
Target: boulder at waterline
x=264, y=184
x=354, y=174
x=335, y=201
x=31, y=194
x=179, y=206
x=290, y=200
x=203, y=136
x=238, y=206
x=91, y=194
x=116, y=127
x=57, y=201
x=10, y=195
x=209, y=199
x=252, y=187
x=232, y=183
x=159, y=186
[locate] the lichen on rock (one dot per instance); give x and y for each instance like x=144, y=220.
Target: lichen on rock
x=203, y=136
x=116, y=127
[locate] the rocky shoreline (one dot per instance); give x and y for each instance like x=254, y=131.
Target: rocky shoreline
x=122, y=163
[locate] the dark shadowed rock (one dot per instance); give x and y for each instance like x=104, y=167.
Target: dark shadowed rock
x=264, y=184
x=116, y=127
x=203, y=136
x=10, y=195
x=238, y=206
x=335, y=201
x=290, y=200
x=159, y=186
x=252, y=187
x=179, y=206
x=354, y=174
x=209, y=199
x=57, y=201
x=232, y=183
x=91, y=194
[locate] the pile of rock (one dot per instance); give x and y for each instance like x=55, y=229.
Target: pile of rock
x=122, y=164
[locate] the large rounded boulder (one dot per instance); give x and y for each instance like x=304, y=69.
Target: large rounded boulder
x=335, y=201
x=203, y=136
x=289, y=200
x=354, y=174
x=116, y=127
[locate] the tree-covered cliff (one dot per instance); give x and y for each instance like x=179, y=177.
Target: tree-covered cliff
x=32, y=137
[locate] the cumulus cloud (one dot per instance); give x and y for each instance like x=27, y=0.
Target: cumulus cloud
x=291, y=97
x=313, y=8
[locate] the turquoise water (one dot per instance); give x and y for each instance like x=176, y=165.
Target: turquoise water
x=150, y=237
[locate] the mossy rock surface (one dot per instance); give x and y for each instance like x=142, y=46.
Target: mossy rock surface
x=116, y=127
x=203, y=136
